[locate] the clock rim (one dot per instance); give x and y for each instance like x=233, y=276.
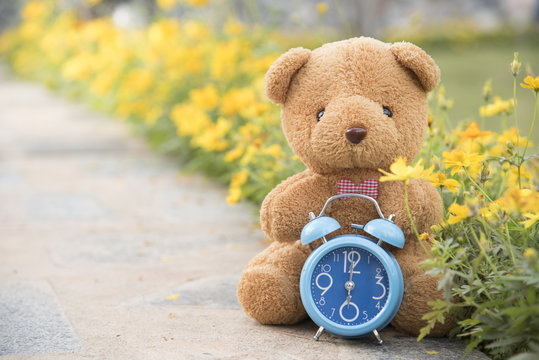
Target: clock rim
x=395, y=280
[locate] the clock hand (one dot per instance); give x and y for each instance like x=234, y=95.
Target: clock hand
x=349, y=285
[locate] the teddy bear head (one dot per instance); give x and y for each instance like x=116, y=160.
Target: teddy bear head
x=357, y=103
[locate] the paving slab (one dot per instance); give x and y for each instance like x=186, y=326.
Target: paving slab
x=108, y=251
x=32, y=321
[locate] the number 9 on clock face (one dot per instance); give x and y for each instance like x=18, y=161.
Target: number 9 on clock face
x=351, y=288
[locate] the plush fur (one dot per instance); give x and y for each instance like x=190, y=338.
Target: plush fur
x=351, y=81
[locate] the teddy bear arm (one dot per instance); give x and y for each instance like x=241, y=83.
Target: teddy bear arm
x=286, y=212
x=268, y=203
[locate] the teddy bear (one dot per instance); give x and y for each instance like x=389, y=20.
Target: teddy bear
x=348, y=109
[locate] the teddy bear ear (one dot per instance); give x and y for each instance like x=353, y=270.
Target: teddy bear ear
x=417, y=60
x=280, y=73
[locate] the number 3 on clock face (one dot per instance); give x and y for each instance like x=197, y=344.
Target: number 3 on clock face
x=351, y=287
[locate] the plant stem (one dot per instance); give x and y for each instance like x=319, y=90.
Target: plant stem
x=531, y=128
x=515, y=109
x=443, y=203
x=483, y=254
x=516, y=124
x=487, y=258
x=477, y=185
x=508, y=244
x=411, y=219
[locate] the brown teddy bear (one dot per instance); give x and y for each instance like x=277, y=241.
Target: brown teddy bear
x=349, y=108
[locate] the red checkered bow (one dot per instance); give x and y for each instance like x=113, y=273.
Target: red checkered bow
x=367, y=187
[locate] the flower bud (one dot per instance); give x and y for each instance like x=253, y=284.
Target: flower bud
x=515, y=65
x=485, y=173
x=530, y=253
x=487, y=90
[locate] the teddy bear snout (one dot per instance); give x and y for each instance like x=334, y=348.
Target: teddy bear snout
x=355, y=135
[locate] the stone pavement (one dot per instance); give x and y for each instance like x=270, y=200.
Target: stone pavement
x=108, y=252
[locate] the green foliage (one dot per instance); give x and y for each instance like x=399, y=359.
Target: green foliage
x=485, y=251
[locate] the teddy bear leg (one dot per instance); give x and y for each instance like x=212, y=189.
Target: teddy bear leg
x=419, y=289
x=269, y=287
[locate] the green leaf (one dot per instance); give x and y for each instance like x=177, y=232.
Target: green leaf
x=524, y=356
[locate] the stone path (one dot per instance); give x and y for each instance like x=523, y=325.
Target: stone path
x=108, y=252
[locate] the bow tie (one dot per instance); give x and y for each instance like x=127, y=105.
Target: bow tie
x=367, y=187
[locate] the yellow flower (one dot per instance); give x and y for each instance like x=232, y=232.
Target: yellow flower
x=427, y=237
x=181, y=60
x=472, y=131
x=441, y=180
x=457, y=213
x=249, y=155
x=34, y=9
x=531, y=83
x=197, y=3
x=212, y=138
x=93, y=2
x=234, y=191
x=163, y=32
x=235, y=153
x=189, y=119
x=458, y=159
x=255, y=109
x=519, y=200
x=234, y=28
x=400, y=171
x=206, y=98
x=497, y=107
x=239, y=178
x=138, y=81
x=489, y=211
x=322, y=8
x=532, y=219
x=249, y=130
x=510, y=136
x=196, y=30
x=167, y=4
x=274, y=150
x=530, y=253
x=79, y=67
x=225, y=58
x=234, y=195
x=103, y=83
x=236, y=100
x=512, y=176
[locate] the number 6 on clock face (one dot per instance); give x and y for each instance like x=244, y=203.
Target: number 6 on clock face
x=351, y=287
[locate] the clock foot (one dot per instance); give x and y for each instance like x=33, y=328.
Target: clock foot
x=318, y=333
x=378, y=338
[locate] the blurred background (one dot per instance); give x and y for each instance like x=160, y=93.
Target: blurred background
x=189, y=73
x=471, y=40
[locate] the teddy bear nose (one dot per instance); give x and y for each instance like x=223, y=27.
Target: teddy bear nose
x=355, y=135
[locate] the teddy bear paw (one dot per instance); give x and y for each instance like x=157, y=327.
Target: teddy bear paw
x=270, y=297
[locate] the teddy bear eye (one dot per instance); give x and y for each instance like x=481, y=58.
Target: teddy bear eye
x=320, y=114
x=387, y=112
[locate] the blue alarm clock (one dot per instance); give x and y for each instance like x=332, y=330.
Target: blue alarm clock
x=351, y=285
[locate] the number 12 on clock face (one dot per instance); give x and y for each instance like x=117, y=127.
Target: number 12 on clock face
x=349, y=286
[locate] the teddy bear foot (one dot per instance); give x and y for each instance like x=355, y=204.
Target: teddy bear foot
x=418, y=291
x=269, y=287
x=269, y=298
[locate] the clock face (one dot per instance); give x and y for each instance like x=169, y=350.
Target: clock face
x=349, y=286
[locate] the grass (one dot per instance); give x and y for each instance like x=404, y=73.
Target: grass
x=466, y=68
